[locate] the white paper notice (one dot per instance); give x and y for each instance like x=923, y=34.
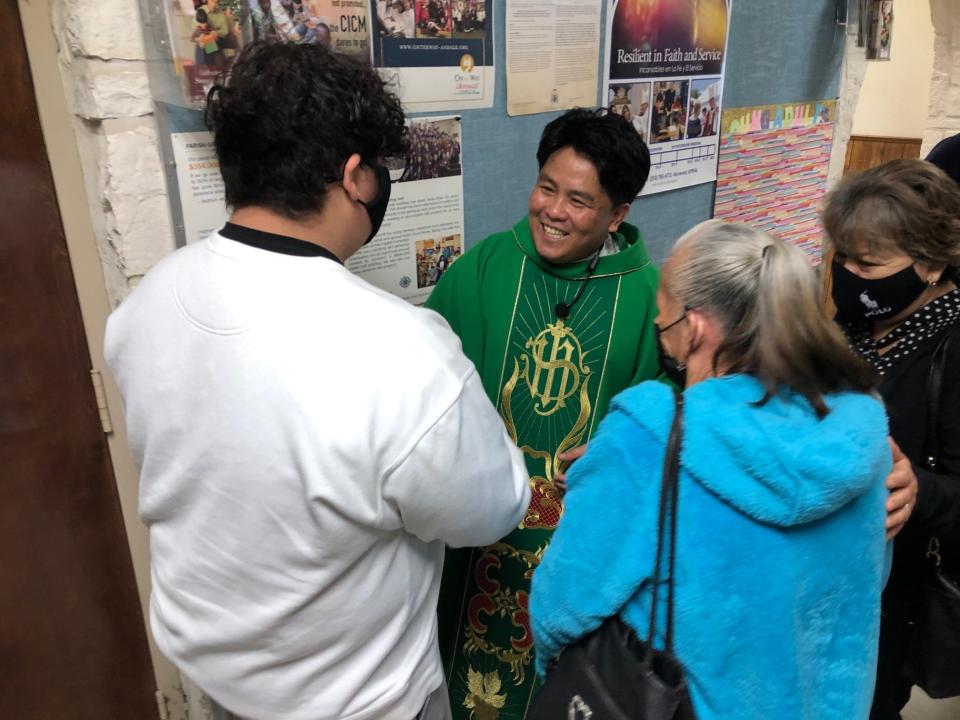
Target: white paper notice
x=553, y=49
x=422, y=233
x=201, y=187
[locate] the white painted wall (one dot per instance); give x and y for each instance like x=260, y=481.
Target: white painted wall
x=894, y=99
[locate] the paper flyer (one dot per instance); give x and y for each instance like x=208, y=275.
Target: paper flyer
x=552, y=55
x=773, y=170
x=438, y=54
x=200, y=183
x=422, y=233
x=664, y=73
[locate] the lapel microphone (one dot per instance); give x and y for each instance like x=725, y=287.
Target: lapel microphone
x=562, y=309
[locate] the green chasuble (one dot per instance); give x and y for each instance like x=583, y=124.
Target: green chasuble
x=552, y=381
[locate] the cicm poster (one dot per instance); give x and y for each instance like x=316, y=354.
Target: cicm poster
x=438, y=54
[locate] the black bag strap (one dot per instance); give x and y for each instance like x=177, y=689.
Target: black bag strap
x=669, y=490
x=931, y=449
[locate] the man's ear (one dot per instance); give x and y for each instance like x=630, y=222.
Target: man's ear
x=353, y=176
x=619, y=215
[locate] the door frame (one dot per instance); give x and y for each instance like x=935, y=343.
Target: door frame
x=58, y=126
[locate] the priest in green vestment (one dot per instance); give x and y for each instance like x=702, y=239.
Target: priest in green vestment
x=557, y=314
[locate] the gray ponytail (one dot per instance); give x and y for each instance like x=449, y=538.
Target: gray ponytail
x=766, y=297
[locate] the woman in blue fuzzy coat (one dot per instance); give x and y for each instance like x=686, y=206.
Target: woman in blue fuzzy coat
x=781, y=557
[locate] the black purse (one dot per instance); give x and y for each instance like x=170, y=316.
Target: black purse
x=611, y=674
x=933, y=660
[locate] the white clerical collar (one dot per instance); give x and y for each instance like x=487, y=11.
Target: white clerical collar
x=610, y=246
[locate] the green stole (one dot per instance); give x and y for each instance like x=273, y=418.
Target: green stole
x=552, y=381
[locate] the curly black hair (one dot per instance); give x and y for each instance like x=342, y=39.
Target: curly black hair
x=606, y=139
x=287, y=119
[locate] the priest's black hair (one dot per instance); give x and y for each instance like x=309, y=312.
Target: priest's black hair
x=287, y=119
x=606, y=139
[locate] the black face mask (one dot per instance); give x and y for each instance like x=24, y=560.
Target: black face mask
x=377, y=208
x=859, y=300
x=674, y=370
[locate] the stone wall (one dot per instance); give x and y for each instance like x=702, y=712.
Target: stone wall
x=101, y=57
x=944, y=107
x=105, y=78
x=851, y=80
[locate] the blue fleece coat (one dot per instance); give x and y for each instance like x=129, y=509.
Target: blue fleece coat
x=781, y=556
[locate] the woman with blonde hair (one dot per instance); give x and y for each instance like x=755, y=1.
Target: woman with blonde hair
x=896, y=233
x=780, y=555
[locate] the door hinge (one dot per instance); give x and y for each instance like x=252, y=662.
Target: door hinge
x=105, y=422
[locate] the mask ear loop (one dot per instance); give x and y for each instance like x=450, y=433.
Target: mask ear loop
x=681, y=365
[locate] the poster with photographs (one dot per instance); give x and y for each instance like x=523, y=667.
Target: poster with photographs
x=437, y=53
x=664, y=74
x=341, y=25
x=206, y=35
x=204, y=39
x=422, y=233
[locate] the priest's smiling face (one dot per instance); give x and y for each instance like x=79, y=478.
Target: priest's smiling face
x=570, y=213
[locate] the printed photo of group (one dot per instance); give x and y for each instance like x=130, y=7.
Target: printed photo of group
x=434, y=257
x=669, y=118
x=431, y=18
x=704, y=117
x=340, y=25
x=205, y=37
x=670, y=110
x=434, y=150
x=632, y=102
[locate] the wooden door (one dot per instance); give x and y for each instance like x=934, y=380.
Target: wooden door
x=72, y=639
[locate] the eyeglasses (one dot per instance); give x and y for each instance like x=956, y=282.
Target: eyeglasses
x=661, y=330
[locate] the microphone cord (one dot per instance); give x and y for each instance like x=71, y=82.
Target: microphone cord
x=562, y=309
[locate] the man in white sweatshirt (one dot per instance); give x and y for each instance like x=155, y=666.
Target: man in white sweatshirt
x=307, y=443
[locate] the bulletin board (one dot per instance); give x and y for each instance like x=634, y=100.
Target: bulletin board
x=778, y=51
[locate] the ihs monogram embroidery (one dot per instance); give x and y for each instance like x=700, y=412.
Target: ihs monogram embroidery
x=556, y=373
x=553, y=371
